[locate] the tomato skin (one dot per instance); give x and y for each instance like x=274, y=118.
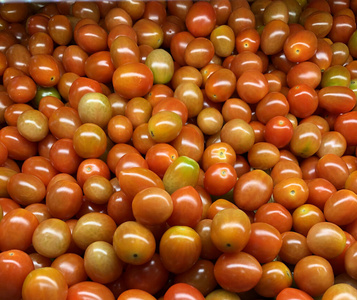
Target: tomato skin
x=305, y=72
x=15, y=265
x=229, y=270
x=291, y=192
x=88, y=290
x=264, y=242
x=303, y=100
x=80, y=87
x=276, y=215
x=346, y=124
x=164, y=126
x=230, y=230
x=16, y=229
x=133, y=80
x=71, y=265
x=252, y=190
x=187, y=207
x=326, y=239
x=200, y=19
x=134, y=243
x=91, y=38
x=220, y=85
x=200, y=276
x=159, y=157
x=183, y=291
x=249, y=81
x=340, y=290
x=45, y=283
x=276, y=276
x=220, y=178
x=300, y=46
x=273, y=36
x=136, y=179
x=314, y=275
x=89, y=141
x=293, y=294
x=180, y=248
x=183, y=171
x=306, y=140
x=135, y=293
x=18, y=147
x=141, y=276
x=278, y=131
x=190, y=142
x=337, y=99
x=334, y=169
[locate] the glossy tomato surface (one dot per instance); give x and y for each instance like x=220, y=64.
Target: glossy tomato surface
x=178, y=150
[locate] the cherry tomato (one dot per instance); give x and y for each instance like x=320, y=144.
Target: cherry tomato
x=48, y=282
x=220, y=178
x=141, y=276
x=293, y=293
x=89, y=290
x=183, y=290
x=15, y=266
x=180, y=248
x=252, y=190
x=310, y=269
x=17, y=228
x=200, y=19
x=275, y=278
x=263, y=236
x=230, y=230
x=133, y=243
x=229, y=268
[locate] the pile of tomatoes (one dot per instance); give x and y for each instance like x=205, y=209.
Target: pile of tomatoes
x=178, y=149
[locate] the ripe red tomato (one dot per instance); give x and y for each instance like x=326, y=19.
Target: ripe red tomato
x=15, y=265
x=187, y=207
x=133, y=80
x=200, y=19
x=183, y=290
x=229, y=270
x=220, y=178
x=293, y=293
x=89, y=290
x=252, y=190
x=278, y=131
x=16, y=229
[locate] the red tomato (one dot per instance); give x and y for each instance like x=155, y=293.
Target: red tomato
x=292, y=294
x=183, y=291
x=220, y=178
x=88, y=290
x=15, y=265
x=303, y=100
x=237, y=272
x=16, y=229
x=133, y=80
x=201, y=19
x=278, y=131
x=187, y=207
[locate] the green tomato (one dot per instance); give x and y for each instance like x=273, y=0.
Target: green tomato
x=336, y=76
x=183, y=171
x=353, y=85
x=161, y=65
x=43, y=92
